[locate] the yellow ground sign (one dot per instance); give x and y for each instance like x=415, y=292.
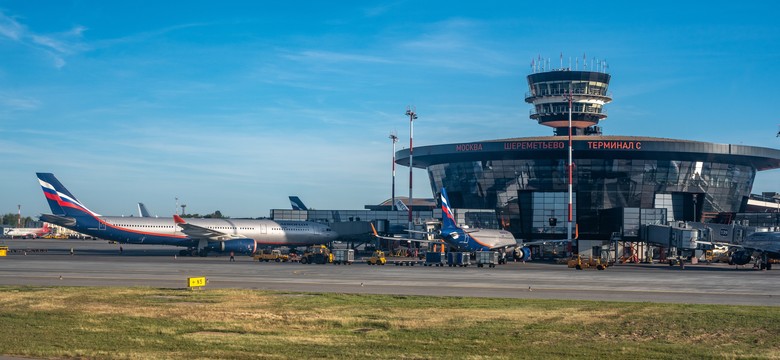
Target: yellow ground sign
x=196, y=281
x=3, y=250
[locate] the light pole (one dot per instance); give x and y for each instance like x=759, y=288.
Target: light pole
x=570, y=96
x=394, y=139
x=411, y=113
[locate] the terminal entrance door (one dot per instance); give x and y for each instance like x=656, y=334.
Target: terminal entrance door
x=691, y=206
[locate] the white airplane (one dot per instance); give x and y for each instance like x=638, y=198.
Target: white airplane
x=463, y=238
x=760, y=247
x=199, y=236
x=29, y=233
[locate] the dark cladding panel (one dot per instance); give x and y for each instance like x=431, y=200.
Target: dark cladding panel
x=569, y=76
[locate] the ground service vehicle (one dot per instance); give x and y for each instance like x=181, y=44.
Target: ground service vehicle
x=462, y=259
x=489, y=258
x=271, y=255
x=343, y=256
x=435, y=258
x=317, y=255
x=378, y=258
x=579, y=263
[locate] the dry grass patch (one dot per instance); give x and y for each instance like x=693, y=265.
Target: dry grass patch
x=141, y=323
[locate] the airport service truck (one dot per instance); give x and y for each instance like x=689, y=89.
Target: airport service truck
x=271, y=255
x=579, y=263
x=377, y=259
x=317, y=255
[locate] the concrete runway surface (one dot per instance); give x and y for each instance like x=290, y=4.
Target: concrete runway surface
x=98, y=263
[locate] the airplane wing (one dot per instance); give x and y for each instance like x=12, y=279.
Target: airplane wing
x=404, y=239
x=546, y=242
x=719, y=243
x=200, y=232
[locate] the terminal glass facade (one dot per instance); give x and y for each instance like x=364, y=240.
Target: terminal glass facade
x=519, y=190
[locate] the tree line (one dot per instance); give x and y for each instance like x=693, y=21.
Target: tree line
x=9, y=219
x=215, y=215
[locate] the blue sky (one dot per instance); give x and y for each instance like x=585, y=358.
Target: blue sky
x=233, y=106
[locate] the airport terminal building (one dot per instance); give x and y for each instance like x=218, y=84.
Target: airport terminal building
x=618, y=182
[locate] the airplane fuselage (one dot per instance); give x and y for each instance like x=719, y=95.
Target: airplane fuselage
x=25, y=232
x=768, y=242
x=163, y=231
x=478, y=239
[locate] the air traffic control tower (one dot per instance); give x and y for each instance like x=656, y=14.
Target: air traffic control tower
x=551, y=91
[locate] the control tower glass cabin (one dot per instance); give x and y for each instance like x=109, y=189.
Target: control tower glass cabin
x=549, y=93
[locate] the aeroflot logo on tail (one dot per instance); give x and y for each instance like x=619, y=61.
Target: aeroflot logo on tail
x=445, y=208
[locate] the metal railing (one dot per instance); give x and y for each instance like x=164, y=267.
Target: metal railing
x=562, y=92
x=565, y=110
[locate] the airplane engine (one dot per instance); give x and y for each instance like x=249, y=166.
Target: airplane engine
x=238, y=246
x=523, y=253
x=741, y=257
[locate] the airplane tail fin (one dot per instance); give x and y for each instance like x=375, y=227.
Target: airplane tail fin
x=447, y=217
x=61, y=201
x=297, y=204
x=142, y=212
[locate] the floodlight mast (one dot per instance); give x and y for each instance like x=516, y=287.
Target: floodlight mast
x=571, y=169
x=394, y=138
x=411, y=112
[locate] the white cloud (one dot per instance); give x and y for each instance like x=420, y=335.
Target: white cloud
x=10, y=28
x=382, y=9
x=336, y=57
x=56, y=46
x=16, y=103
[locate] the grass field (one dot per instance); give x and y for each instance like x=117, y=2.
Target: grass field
x=147, y=323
